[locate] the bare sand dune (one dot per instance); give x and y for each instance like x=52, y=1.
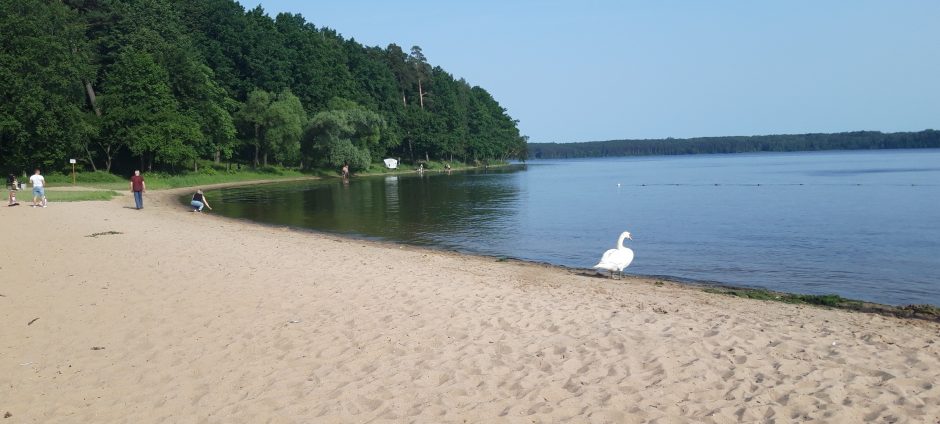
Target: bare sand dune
x=191, y=318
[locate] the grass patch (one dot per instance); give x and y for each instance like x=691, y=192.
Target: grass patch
x=82, y=178
x=76, y=196
x=824, y=300
x=926, y=312
x=211, y=173
x=216, y=174
x=162, y=181
x=811, y=299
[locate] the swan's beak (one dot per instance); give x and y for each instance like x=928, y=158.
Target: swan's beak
x=630, y=237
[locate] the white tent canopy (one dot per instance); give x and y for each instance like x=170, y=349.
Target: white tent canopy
x=391, y=163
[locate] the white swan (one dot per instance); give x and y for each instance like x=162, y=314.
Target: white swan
x=616, y=259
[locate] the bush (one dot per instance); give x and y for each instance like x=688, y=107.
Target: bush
x=343, y=151
x=96, y=177
x=208, y=170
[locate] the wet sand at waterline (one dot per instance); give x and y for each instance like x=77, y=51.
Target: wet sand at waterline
x=111, y=314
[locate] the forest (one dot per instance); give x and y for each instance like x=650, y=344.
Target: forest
x=171, y=84
x=858, y=140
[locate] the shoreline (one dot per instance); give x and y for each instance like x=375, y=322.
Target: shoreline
x=912, y=311
x=160, y=315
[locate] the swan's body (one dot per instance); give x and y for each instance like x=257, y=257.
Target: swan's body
x=615, y=260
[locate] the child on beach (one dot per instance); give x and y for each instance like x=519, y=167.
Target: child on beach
x=13, y=185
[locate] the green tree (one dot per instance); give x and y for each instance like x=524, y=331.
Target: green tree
x=421, y=70
x=285, y=119
x=344, y=133
x=397, y=62
x=139, y=112
x=252, y=115
x=158, y=81
x=42, y=64
x=274, y=126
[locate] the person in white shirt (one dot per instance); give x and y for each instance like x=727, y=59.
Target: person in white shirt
x=39, y=192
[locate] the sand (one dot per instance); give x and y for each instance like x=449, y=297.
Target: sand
x=193, y=318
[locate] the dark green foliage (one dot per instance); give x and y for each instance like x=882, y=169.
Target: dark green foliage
x=141, y=113
x=344, y=134
x=858, y=140
x=43, y=60
x=762, y=294
x=166, y=84
x=824, y=300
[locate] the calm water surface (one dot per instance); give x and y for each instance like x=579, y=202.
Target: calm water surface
x=864, y=225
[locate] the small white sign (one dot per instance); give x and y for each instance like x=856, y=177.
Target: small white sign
x=71, y=160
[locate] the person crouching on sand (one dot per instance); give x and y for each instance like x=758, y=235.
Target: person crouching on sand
x=199, y=200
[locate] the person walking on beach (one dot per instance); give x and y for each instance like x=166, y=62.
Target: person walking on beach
x=138, y=187
x=39, y=191
x=13, y=185
x=199, y=200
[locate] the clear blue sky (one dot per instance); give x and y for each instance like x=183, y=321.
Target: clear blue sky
x=608, y=69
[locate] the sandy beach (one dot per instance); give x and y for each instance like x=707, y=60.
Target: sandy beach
x=114, y=315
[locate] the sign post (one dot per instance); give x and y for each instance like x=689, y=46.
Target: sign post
x=72, y=161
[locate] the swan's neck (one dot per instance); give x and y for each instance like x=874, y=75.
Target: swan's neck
x=620, y=241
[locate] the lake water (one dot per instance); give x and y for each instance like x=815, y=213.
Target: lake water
x=861, y=224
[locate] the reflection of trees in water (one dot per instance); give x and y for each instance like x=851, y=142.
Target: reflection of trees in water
x=466, y=206
x=435, y=208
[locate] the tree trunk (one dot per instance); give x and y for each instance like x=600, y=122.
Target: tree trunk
x=257, y=143
x=404, y=100
x=107, y=158
x=218, y=156
x=264, y=159
x=90, y=92
x=91, y=158
x=420, y=94
x=195, y=165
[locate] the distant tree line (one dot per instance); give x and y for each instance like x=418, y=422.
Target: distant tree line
x=163, y=84
x=858, y=140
